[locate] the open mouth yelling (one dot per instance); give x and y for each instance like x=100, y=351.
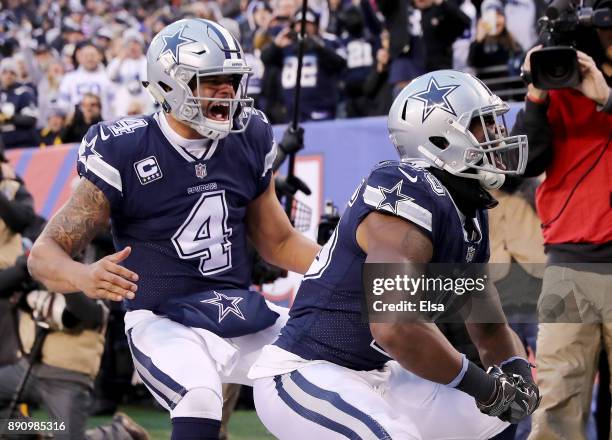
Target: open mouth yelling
x=218, y=111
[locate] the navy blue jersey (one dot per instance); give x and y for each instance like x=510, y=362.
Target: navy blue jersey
x=360, y=56
x=18, y=100
x=320, y=90
x=182, y=216
x=325, y=320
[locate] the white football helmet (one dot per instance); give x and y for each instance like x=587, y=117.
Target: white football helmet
x=430, y=120
x=179, y=57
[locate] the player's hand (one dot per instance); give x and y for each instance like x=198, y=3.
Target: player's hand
x=593, y=84
x=106, y=279
x=504, y=395
x=293, y=140
x=514, y=398
x=526, y=400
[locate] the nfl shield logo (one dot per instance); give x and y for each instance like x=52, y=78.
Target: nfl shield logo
x=200, y=170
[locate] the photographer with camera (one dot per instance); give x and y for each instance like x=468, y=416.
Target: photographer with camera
x=568, y=119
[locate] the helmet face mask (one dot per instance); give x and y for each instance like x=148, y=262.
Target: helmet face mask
x=452, y=121
x=180, y=59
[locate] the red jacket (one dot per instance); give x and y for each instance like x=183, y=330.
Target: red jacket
x=579, y=136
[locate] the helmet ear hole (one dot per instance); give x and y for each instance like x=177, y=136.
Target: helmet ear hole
x=439, y=142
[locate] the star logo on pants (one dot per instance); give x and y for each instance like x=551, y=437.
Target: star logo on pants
x=226, y=305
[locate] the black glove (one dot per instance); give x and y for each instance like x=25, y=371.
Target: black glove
x=503, y=396
x=526, y=400
x=293, y=140
x=514, y=397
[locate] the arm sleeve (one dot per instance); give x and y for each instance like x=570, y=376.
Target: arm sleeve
x=533, y=121
x=100, y=162
x=19, y=212
x=390, y=191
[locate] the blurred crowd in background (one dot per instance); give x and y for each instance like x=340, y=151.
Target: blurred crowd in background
x=68, y=64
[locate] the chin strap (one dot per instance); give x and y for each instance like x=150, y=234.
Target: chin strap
x=491, y=180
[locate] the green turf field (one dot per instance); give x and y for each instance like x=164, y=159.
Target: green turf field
x=244, y=425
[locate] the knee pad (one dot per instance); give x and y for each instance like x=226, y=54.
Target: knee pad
x=201, y=403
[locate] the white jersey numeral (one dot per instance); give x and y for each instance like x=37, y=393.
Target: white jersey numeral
x=323, y=258
x=205, y=234
x=309, y=72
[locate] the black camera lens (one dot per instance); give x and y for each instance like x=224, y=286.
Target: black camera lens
x=555, y=68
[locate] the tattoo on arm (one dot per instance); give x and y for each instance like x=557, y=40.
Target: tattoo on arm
x=77, y=223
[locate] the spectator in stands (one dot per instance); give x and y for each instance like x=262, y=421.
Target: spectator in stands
x=377, y=87
x=51, y=134
x=103, y=40
x=569, y=131
x=255, y=29
x=86, y=114
x=18, y=111
x=406, y=48
x=71, y=34
x=461, y=46
x=442, y=22
x=521, y=20
x=48, y=91
x=360, y=52
x=131, y=64
x=494, y=45
x=324, y=60
x=89, y=77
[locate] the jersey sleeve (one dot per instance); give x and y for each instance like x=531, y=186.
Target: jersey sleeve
x=99, y=162
x=400, y=192
x=266, y=151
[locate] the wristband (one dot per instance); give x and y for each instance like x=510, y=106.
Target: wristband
x=464, y=366
x=477, y=383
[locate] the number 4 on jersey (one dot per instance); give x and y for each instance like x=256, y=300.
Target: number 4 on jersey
x=205, y=234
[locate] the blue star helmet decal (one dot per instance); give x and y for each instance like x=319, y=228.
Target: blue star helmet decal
x=435, y=97
x=226, y=305
x=173, y=42
x=391, y=197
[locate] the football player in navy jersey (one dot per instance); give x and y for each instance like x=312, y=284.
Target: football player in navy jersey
x=183, y=189
x=332, y=375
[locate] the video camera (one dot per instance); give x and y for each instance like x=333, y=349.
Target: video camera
x=555, y=66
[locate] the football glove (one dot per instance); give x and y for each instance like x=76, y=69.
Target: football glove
x=514, y=397
x=526, y=400
x=504, y=395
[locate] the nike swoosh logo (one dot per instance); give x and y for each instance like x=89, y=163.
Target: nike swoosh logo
x=102, y=135
x=408, y=176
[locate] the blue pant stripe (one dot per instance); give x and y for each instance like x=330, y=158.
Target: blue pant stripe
x=336, y=400
x=311, y=415
x=157, y=374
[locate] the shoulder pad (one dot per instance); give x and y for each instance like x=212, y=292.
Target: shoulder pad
x=395, y=188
